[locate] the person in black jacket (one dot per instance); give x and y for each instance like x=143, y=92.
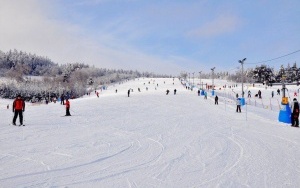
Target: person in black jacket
x=62, y=99
x=295, y=113
x=216, y=100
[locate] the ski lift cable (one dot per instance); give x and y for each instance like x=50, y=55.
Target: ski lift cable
x=275, y=58
x=232, y=69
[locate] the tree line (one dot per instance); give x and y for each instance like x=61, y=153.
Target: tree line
x=260, y=74
x=39, y=77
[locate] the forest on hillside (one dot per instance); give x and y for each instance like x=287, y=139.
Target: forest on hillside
x=38, y=77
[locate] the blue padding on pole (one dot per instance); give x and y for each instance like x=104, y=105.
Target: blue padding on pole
x=202, y=92
x=285, y=114
x=212, y=92
x=242, y=101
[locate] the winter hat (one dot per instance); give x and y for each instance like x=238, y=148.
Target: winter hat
x=294, y=99
x=18, y=95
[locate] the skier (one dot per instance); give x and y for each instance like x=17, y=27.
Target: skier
x=238, y=105
x=18, y=109
x=216, y=100
x=249, y=94
x=278, y=91
x=198, y=92
x=62, y=99
x=205, y=95
x=68, y=107
x=128, y=92
x=97, y=94
x=167, y=92
x=175, y=91
x=259, y=94
x=272, y=94
x=295, y=113
x=116, y=91
x=139, y=89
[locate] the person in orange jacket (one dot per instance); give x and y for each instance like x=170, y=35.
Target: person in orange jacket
x=68, y=107
x=18, y=109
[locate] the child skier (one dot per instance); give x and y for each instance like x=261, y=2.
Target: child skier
x=68, y=107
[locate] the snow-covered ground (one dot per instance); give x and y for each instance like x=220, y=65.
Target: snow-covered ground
x=149, y=139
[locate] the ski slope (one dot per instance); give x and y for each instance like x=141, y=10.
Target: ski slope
x=149, y=139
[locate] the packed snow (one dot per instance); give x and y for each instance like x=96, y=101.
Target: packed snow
x=151, y=139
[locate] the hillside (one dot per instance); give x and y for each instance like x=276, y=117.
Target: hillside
x=149, y=139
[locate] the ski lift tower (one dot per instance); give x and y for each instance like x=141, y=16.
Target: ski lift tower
x=213, y=86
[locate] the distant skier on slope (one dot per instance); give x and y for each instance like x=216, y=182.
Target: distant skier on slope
x=216, y=100
x=128, y=93
x=167, y=92
x=175, y=91
x=62, y=99
x=295, y=113
x=259, y=94
x=18, y=109
x=68, y=107
x=238, y=105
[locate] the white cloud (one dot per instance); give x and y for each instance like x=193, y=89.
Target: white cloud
x=221, y=25
x=28, y=25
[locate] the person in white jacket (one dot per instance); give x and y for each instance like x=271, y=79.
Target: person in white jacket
x=238, y=105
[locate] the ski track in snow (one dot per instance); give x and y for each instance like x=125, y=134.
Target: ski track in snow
x=149, y=139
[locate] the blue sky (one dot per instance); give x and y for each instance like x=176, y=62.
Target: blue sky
x=162, y=36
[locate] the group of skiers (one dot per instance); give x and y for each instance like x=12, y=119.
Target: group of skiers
x=259, y=93
x=19, y=107
x=168, y=91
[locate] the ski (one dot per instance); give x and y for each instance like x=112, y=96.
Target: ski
x=16, y=125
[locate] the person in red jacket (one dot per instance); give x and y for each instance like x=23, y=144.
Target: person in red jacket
x=18, y=109
x=68, y=108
